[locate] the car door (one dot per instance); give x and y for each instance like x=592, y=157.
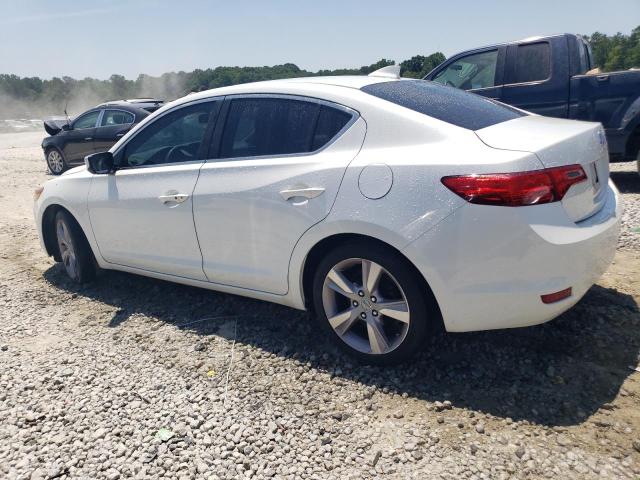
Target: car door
x=530, y=81
x=142, y=214
x=79, y=139
x=113, y=125
x=275, y=168
x=479, y=72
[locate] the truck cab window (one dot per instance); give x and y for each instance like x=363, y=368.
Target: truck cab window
x=532, y=62
x=472, y=72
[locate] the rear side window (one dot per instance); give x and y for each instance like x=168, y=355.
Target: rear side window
x=532, y=62
x=277, y=126
x=330, y=122
x=116, y=117
x=448, y=104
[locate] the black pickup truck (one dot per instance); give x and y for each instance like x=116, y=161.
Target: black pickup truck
x=553, y=76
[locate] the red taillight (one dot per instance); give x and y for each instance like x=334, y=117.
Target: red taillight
x=516, y=189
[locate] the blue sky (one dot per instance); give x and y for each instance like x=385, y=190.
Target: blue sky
x=64, y=37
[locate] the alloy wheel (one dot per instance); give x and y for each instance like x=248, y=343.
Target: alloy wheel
x=365, y=306
x=67, y=249
x=55, y=161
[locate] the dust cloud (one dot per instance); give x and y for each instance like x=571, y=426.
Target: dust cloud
x=23, y=108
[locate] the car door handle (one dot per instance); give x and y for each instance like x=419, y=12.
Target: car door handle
x=120, y=135
x=87, y=139
x=306, y=192
x=173, y=198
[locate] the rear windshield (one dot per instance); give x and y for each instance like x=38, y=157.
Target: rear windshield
x=448, y=104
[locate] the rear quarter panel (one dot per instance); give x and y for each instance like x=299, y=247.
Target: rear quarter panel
x=419, y=150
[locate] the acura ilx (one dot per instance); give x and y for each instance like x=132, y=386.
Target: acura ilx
x=386, y=206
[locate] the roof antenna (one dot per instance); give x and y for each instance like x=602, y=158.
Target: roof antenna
x=390, y=71
x=66, y=103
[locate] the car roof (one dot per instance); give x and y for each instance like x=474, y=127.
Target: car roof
x=513, y=42
x=136, y=110
x=133, y=103
x=346, y=81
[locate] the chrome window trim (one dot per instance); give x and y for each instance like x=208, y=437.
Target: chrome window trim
x=104, y=112
x=172, y=164
x=355, y=115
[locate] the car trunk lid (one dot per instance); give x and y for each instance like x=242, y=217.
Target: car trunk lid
x=557, y=143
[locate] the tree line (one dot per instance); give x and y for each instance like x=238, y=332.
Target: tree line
x=24, y=97
x=615, y=52
x=28, y=97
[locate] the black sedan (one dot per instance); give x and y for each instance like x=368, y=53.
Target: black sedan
x=96, y=130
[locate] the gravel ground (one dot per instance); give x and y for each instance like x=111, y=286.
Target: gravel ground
x=136, y=378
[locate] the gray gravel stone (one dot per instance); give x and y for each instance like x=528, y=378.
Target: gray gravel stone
x=94, y=371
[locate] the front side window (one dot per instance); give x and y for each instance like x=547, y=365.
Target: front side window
x=471, y=72
x=532, y=62
x=174, y=137
x=116, y=117
x=87, y=120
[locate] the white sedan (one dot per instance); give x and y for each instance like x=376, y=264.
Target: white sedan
x=387, y=206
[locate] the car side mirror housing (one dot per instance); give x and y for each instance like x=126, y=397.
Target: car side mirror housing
x=100, y=163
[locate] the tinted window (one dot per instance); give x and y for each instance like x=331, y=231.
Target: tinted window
x=174, y=137
x=330, y=122
x=466, y=110
x=583, y=52
x=116, y=117
x=470, y=72
x=268, y=126
x=532, y=62
x=87, y=120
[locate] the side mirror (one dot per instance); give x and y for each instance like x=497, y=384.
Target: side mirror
x=100, y=163
x=66, y=127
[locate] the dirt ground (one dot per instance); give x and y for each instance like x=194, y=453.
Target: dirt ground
x=89, y=375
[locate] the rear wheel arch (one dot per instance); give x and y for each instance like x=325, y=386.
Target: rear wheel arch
x=632, y=150
x=327, y=244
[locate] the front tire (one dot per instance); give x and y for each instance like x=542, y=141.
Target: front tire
x=75, y=252
x=370, y=301
x=55, y=161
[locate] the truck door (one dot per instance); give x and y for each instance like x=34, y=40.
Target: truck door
x=537, y=80
x=480, y=71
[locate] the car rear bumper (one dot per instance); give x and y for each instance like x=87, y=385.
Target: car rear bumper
x=488, y=266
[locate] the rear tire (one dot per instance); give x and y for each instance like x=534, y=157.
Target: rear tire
x=371, y=303
x=55, y=161
x=75, y=252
